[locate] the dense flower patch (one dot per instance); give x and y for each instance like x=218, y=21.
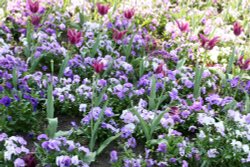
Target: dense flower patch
x=151, y=82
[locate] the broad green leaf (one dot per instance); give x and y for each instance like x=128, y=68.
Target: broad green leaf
x=197, y=80
x=93, y=50
x=95, y=128
x=50, y=102
x=144, y=124
x=156, y=122
x=52, y=127
x=247, y=103
x=180, y=63
x=14, y=78
x=152, y=96
x=106, y=143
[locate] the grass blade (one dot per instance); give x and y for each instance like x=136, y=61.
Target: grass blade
x=197, y=80
x=156, y=122
x=106, y=143
x=152, y=96
x=95, y=128
x=144, y=124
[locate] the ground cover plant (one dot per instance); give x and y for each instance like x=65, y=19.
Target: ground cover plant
x=124, y=83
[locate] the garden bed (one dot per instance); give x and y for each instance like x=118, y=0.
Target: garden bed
x=130, y=83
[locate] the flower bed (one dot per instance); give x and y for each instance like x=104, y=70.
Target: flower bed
x=144, y=83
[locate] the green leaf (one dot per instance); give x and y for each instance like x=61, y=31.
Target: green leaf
x=63, y=66
x=156, y=122
x=95, y=128
x=35, y=62
x=89, y=157
x=127, y=48
x=197, y=80
x=29, y=39
x=50, y=102
x=106, y=143
x=14, y=78
x=231, y=62
x=144, y=124
x=52, y=127
x=247, y=103
x=152, y=96
x=180, y=63
x=93, y=50
x=62, y=133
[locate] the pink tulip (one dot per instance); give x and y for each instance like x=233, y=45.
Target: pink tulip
x=74, y=36
x=35, y=20
x=118, y=35
x=102, y=9
x=33, y=6
x=98, y=66
x=243, y=65
x=184, y=27
x=208, y=43
x=237, y=28
x=129, y=13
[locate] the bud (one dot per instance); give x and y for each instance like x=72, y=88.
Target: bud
x=35, y=20
x=102, y=9
x=129, y=13
x=33, y=6
x=237, y=28
x=98, y=66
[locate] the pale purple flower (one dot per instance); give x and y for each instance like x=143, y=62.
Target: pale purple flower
x=42, y=136
x=173, y=94
x=108, y=112
x=197, y=106
x=131, y=142
x=3, y=136
x=63, y=161
x=113, y=156
x=184, y=163
x=162, y=147
x=82, y=107
x=19, y=163
x=212, y=153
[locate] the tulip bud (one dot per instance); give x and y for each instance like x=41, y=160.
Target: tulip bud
x=35, y=20
x=129, y=13
x=98, y=66
x=102, y=9
x=237, y=28
x=33, y=6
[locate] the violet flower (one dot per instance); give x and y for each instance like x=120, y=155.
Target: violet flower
x=162, y=147
x=6, y=101
x=113, y=156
